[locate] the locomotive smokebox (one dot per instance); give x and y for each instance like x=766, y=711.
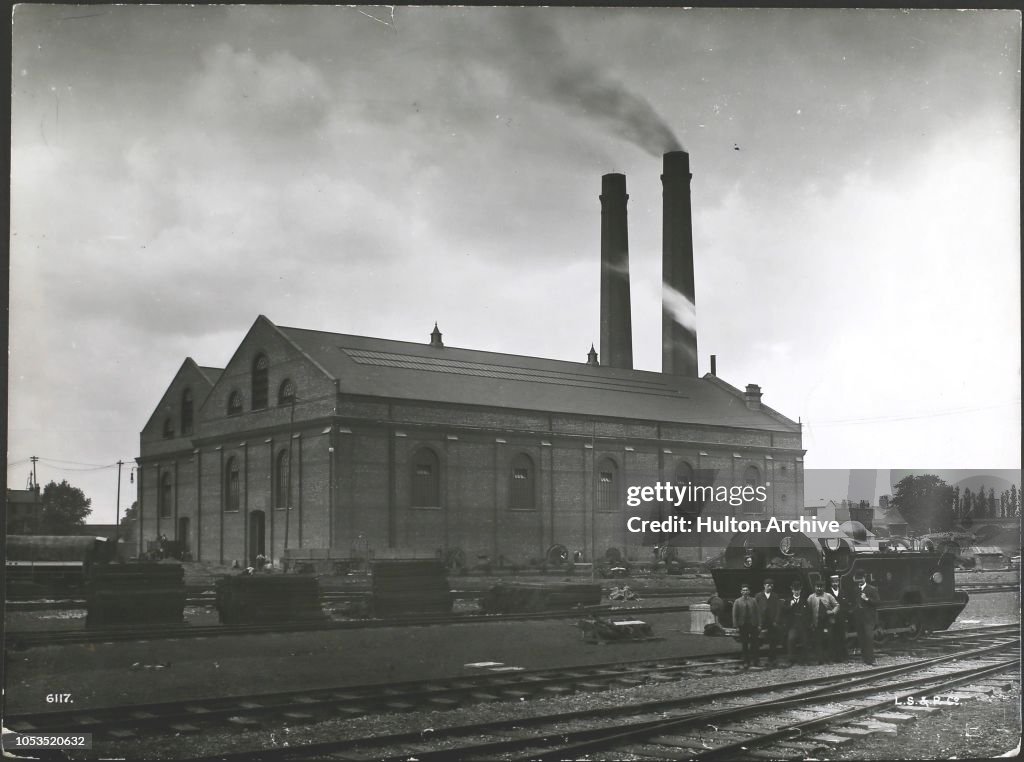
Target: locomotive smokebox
x=616, y=323
x=678, y=313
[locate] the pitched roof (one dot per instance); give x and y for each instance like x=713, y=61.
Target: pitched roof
x=212, y=374
x=410, y=371
x=985, y=550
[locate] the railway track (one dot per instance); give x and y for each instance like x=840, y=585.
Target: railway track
x=786, y=719
x=308, y=706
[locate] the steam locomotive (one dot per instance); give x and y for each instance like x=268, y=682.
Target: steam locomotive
x=56, y=563
x=916, y=586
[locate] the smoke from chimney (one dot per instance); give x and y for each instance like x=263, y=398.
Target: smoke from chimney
x=616, y=321
x=679, y=310
x=551, y=73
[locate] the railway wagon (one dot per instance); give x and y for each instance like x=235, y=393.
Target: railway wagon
x=916, y=587
x=54, y=562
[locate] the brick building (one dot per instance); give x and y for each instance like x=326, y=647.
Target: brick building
x=355, y=446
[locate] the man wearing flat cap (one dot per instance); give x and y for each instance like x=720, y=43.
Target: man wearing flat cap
x=747, y=620
x=822, y=605
x=769, y=605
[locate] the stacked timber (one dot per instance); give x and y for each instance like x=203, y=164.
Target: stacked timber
x=525, y=597
x=268, y=599
x=135, y=594
x=410, y=587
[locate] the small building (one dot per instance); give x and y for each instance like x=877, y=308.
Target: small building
x=22, y=511
x=892, y=521
x=987, y=557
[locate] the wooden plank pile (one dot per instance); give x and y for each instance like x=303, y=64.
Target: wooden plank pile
x=595, y=630
x=268, y=599
x=135, y=594
x=525, y=597
x=410, y=587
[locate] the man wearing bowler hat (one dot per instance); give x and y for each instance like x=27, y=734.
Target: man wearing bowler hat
x=865, y=602
x=837, y=629
x=769, y=605
x=795, y=615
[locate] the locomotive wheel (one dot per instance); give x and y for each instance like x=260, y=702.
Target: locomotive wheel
x=917, y=631
x=880, y=634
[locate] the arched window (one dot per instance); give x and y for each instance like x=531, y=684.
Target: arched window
x=232, y=486
x=607, y=485
x=186, y=412
x=522, y=491
x=260, y=382
x=168, y=428
x=235, y=402
x=282, y=479
x=684, y=474
x=684, y=479
x=426, y=479
x=286, y=392
x=165, y=496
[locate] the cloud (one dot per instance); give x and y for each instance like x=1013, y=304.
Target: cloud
x=236, y=90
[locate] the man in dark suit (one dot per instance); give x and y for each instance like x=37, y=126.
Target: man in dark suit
x=865, y=602
x=795, y=615
x=769, y=606
x=837, y=629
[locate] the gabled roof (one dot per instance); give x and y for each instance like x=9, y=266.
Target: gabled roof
x=985, y=550
x=188, y=365
x=889, y=516
x=410, y=371
x=211, y=374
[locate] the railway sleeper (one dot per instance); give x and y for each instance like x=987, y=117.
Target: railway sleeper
x=781, y=755
x=656, y=752
x=831, y=739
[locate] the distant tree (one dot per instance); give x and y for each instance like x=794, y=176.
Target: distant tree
x=129, y=515
x=1014, y=505
x=992, y=503
x=968, y=502
x=925, y=501
x=958, y=502
x=63, y=507
x=1004, y=499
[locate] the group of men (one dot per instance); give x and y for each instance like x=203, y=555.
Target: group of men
x=806, y=624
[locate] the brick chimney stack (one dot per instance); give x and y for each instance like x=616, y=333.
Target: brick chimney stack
x=678, y=313
x=616, y=321
x=753, y=396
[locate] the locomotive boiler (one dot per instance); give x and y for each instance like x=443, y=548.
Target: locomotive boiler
x=916, y=587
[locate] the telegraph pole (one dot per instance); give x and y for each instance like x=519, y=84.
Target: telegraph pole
x=117, y=516
x=36, y=519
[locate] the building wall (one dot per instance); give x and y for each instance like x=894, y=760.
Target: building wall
x=352, y=471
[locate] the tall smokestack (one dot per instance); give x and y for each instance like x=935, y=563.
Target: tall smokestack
x=616, y=323
x=678, y=306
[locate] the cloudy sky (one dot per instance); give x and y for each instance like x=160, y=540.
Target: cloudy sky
x=177, y=171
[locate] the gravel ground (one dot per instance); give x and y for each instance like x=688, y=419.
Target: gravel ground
x=425, y=723
x=982, y=728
